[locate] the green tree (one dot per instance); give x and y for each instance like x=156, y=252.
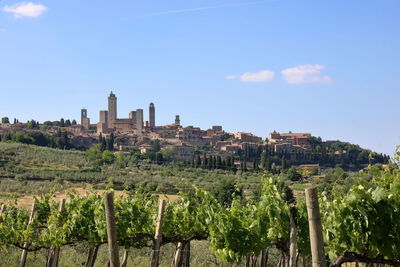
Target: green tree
x=95, y=155
x=119, y=140
x=159, y=158
x=48, y=123
x=219, y=162
x=5, y=120
x=167, y=153
x=103, y=144
x=155, y=145
x=108, y=157
x=293, y=174
x=225, y=191
x=110, y=142
x=204, y=163
x=283, y=164
x=120, y=159
x=198, y=161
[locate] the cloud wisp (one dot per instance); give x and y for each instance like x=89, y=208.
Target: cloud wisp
x=25, y=9
x=186, y=10
x=305, y=74
x=254, y=77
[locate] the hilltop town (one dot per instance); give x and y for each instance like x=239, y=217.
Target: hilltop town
x=188, y=143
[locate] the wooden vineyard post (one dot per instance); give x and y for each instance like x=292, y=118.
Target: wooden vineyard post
x=315, y=226
x=158, y=234
x=264, y=257
x=293, y=237
x=54, y=252
x=25, y=246
x=92, y=256
x=186, y=254
x=111, y=230
x=182, y=255
x=125, y=258
x=178, y=255
x=2, y=210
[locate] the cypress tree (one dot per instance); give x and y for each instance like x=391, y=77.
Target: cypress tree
x=255, y=165
x=210, y=162
x=198, y=161
x=110, y=142
x=204, y=160
x=219, y=162
x=103, y=145
x=283, y=164
x=192, y=162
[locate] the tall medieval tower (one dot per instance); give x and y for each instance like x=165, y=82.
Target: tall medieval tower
x=177, y=120
x=139, y=120
x=83, y=115
x=152, y=115
x=112, y=110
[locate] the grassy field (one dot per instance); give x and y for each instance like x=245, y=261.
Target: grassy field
x=200, y=255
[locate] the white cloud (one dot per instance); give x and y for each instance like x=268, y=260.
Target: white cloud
x=305, y=74
x=255, y=77
x=230, y=77
x=25, y=9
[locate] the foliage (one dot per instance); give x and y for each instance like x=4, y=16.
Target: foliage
x=293, y=174
x=61, y=140
x=357, y=221
x=225, y=191
x=5, y=120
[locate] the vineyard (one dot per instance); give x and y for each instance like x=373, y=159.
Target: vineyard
x=361, y=224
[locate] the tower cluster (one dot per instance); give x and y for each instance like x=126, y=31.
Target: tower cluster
x=109, y=121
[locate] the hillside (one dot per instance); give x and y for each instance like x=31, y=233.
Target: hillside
x=26, y=164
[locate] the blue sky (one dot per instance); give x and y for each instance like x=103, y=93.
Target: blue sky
x=326, y=67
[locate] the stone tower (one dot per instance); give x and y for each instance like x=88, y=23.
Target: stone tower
x=177, y=120
x=132, y=116
x=139, y=120
x=104, y=117
x=83, y=115
x=102, y=126
x=112, y=110
x=152, y=115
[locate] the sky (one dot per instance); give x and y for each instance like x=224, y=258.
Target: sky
x=330, y=68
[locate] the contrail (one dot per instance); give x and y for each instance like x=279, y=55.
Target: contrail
x=176, y=11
